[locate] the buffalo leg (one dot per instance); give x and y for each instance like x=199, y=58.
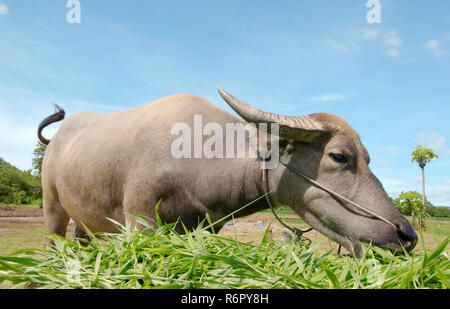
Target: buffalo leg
x=56, y=218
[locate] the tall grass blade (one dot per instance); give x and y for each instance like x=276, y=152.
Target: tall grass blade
x=158, y=218
x=438, y=250
x=266, y=235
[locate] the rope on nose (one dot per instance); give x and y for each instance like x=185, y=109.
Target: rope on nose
x=296, y=231
x=337, y=195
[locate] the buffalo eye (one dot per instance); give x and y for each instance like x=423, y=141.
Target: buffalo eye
x=339, y=158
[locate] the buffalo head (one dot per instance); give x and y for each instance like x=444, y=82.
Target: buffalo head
x=328, y=150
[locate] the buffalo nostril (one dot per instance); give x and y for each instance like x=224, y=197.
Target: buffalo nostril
x=407, y=235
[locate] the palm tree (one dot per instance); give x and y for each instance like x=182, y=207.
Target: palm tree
x=423, y=156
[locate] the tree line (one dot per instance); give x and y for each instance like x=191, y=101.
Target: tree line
x=19, y=187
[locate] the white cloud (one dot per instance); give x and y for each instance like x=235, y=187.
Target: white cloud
x=346, y=47
x=435, y=141
x=393, y=53
x=329, y=97
x=367, y=34
x=437, y=194
x=435, y=46
x=417, y=181
x=391, y=148
x=392, y=39
x=3, y=9
x=440, y=164
x=389, y=40
x=387, y=164
x=393, y=42
x=394, y=186
x=307, y=102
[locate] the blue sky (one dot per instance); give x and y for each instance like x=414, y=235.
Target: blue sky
x=389, y=80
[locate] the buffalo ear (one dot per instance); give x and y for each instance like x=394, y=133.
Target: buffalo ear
x=299, y=128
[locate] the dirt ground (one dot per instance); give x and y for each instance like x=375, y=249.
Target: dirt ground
x=18, y=226
x=253, y=228
x=20, y=211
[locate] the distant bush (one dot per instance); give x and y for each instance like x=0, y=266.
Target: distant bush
x=438, y=212
x=410, y=203
x=16, y=186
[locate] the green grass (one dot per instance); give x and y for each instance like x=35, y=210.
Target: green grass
x=438, y=228
x=16, y=239
x=162, y=258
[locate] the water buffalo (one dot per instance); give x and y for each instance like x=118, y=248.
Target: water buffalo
x=100, y=166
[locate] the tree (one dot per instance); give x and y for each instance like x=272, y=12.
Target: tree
x=18, y=187
x=410, y=204
x=423, y=156
x=38, y=154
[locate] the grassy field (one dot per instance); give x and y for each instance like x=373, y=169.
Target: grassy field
x=250, y=252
